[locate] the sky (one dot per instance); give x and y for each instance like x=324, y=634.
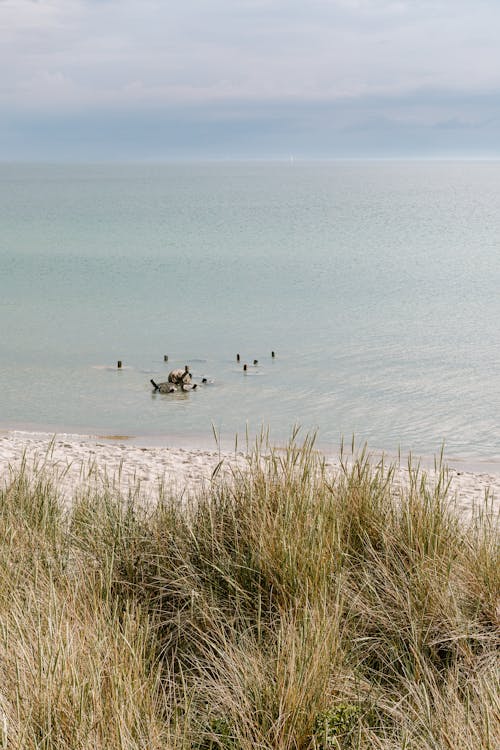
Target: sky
x=236, y=79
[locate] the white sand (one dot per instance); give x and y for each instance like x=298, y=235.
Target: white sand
x=78, y=462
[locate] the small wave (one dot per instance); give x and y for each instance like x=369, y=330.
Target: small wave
x=113, y=368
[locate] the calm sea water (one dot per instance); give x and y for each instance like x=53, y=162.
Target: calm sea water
x=377, y=284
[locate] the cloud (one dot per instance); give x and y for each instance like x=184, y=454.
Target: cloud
x=147, y=51
x=424, y=124
x=285, y=60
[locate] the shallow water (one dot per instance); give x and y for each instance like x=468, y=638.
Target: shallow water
x=376, y=283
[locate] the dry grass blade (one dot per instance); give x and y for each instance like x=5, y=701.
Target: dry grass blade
x=283, y=608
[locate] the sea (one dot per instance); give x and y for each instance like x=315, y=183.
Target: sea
x=375, y=283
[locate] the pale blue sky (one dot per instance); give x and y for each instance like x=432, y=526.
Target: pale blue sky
x=152, y=79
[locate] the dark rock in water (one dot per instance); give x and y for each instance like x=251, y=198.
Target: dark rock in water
x=166, y=387
x=163, y=387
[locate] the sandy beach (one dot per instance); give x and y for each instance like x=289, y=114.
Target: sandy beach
x=79, y=462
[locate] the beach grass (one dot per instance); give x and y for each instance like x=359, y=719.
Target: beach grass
x=285, y=607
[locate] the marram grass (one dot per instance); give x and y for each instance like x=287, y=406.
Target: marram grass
x=284, y=608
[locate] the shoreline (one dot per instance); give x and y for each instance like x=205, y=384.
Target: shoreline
x=80, y=462
x=128, y=465
x=206, y=442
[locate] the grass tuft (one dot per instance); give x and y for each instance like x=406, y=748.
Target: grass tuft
x=284, y=608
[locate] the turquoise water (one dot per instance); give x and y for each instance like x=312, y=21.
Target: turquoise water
x=376, y=283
